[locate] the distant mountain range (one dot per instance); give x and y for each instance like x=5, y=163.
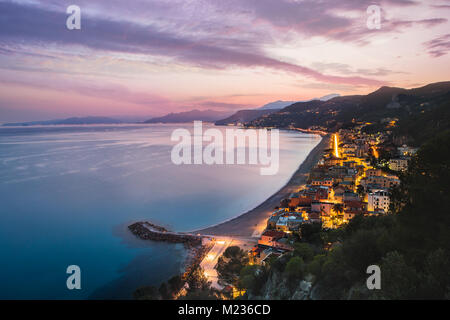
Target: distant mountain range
x=189, y=116
x=219, y=117
x=280, y=104
x=68, y=121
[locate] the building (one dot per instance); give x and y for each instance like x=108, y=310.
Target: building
x=327, y=182
x=385, y=182
x=399, y=164
x=272, y=222
x=270, y=237
x=322, y=207
x=374, y=172
x=289, y=223
x=353, y=208
x=406, y=150
x=350, y=196
x=378, y=201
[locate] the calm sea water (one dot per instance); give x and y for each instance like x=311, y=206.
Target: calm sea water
x=68, y=193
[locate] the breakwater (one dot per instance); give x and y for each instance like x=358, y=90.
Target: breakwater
x=148, y=231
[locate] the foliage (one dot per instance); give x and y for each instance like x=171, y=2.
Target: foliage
x=252, y=278
x=197, y=280
x=295, y=268
x=304, y=251
x=146, y=293
x=230, y=264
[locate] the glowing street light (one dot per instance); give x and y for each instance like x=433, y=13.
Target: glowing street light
x=336, y=150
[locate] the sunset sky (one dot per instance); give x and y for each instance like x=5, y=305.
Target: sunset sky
x=148, y=58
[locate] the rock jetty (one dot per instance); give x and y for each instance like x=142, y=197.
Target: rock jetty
x=148, y=231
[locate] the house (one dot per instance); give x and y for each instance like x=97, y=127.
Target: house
x=399, y=164
x=353, y=208
x=271, y=223
x=314, y=217
x=270, y=237
x=281, y=224
x=289, y=222
x=302, y=199
x=406, y=150
x=374, y=172
x=260, y=254
x=339, y=193
x=350, y=196
x=327, y=182
x=337, y=171
x=378, y=200
x=385, y=182
x=347, y=185
x=322, y=207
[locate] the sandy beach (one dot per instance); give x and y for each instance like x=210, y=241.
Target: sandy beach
x=253, y=222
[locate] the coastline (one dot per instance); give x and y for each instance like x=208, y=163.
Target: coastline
x=248, y=223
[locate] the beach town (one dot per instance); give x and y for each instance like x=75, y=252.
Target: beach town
x=343, y=177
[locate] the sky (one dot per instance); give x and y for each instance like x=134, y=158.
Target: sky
x=148, y=58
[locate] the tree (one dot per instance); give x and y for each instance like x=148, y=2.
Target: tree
x=398, y=280
x=252, y=278
x=304, y=251
x=175, y=283
x=315, y=266
x=197, y=280
x=230, y=264
x=295, y=268
x=164, y=291
x=234, y=252
x=311, y=232
x=436, y=280
x=146, y=293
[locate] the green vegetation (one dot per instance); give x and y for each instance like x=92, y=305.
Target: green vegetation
x=165, y=291
x=198, y=288
x=230, y=264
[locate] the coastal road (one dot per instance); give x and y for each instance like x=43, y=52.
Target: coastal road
x=220, y=245
x=210, y=261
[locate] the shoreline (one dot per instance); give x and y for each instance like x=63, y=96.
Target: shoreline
x=248, y=223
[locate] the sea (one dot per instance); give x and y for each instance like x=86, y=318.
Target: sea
x=68, y=193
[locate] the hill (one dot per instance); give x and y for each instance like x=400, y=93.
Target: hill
x=189, y=116
x=243, y=116
x=68, y=121
x=377, y=108
x=276, y=105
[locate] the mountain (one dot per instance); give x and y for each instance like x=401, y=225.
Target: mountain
x=276, y=105
x=329, y=97
x=243, y=116
x=68, y=121
x=375, y=108
x=189, y=116
x=280, y=104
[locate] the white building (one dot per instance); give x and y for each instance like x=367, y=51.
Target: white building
x=378, y=200
x=399, y=164
x=406, y=151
